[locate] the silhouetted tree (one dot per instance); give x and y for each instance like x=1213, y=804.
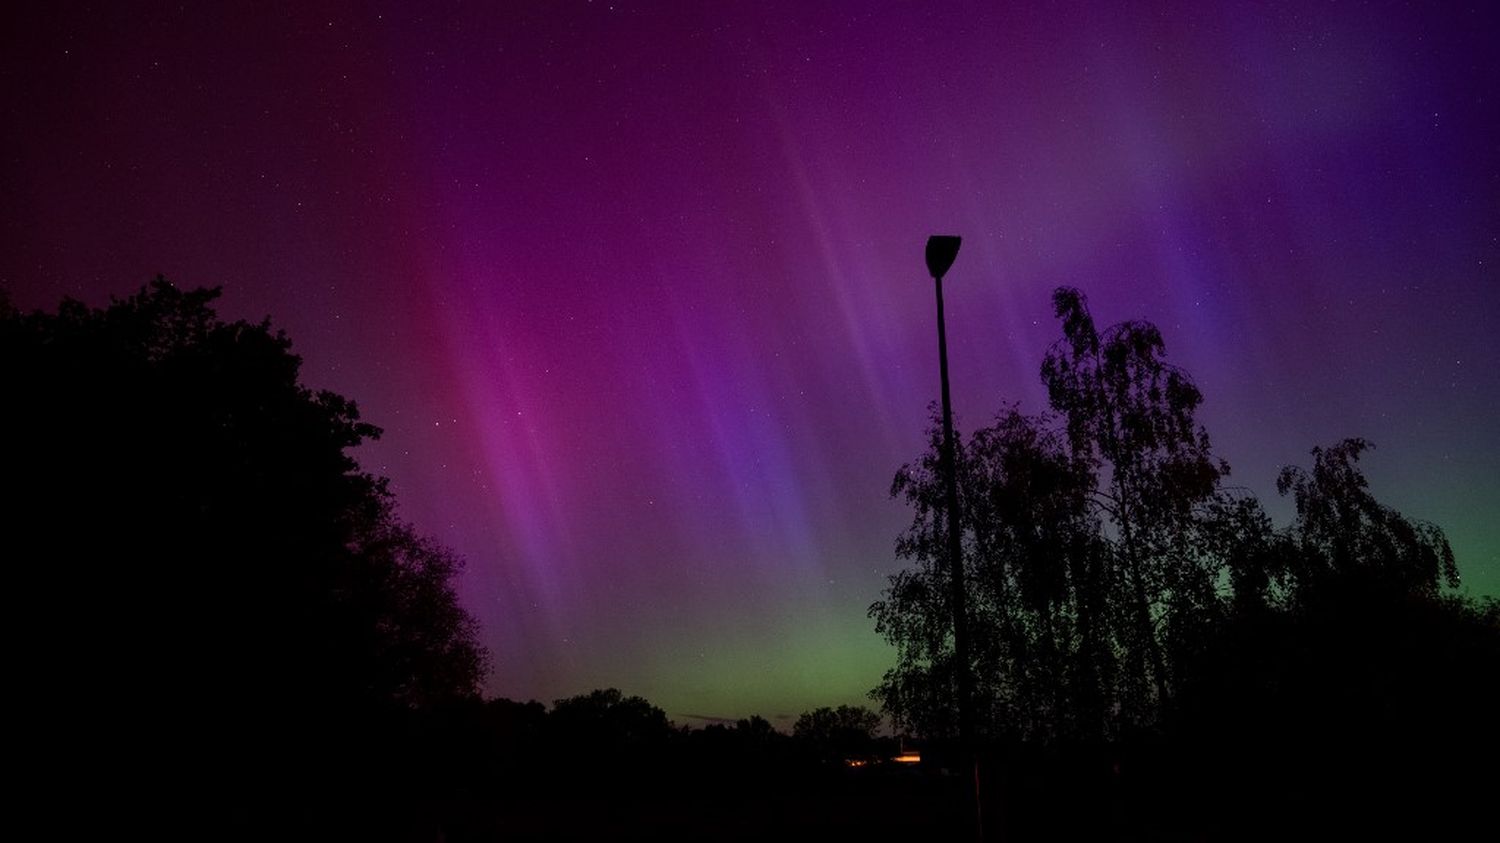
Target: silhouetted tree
x=607, y=719
x=1357, y=710
x=1343, y=535
x=756, y=729
x=1034, y=560
x=1327, y=687
x=1105, y=553
x=1093, y=540
x=919, y=692
x=191, y=541
x=835, y=733
x=1131, y=417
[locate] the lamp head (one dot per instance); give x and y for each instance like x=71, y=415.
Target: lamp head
x=941, y=250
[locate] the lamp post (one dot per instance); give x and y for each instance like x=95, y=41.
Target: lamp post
x=941, y=251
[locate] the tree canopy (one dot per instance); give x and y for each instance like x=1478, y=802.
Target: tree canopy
x=838, y=733
x=1104, y=549
x=191, y=538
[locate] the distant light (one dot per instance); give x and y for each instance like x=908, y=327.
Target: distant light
x=911, y=756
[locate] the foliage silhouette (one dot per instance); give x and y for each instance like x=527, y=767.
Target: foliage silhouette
x=1152, y=656
x=1343, y=534
x=1326, y=689
x=1099, y=542
x=1024, y=509
x=595, y=731
x=1086, y=542
x=1356, y=712
x=835, y=734
x=192, y=537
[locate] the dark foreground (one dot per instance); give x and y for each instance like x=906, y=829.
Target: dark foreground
x=1157, y=794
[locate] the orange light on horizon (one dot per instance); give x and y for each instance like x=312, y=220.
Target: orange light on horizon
x=910, y=756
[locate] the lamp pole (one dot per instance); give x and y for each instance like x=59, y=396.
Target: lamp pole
x=941, y=251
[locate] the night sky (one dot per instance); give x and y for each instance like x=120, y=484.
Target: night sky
x=637, y=293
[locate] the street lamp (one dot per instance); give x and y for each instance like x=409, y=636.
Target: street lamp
x=941, y=251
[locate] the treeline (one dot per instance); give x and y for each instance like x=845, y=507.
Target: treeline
x=606, y=737
x=605, y=731
x=1142, y=631
x=607, y=765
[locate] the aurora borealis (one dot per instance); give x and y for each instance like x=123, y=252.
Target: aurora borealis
x=636, y=290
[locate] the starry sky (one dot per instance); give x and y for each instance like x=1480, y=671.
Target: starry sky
x=636, y=289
